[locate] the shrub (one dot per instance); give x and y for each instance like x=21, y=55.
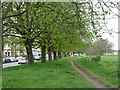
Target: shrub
x=16, y=56
x=96, y=58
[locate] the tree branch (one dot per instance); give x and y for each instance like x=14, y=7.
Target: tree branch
x=14, y=15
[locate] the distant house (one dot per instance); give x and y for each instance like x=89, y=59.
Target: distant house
x=18, y=51
x=7, y=51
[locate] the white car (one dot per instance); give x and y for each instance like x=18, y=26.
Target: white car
x=12, y=59
x=75, y=54
x=22, y=61
x=17, y=58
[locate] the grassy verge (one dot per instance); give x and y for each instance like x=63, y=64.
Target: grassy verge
x=56, y=74
x=107, y=68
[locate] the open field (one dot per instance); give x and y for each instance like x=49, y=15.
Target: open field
x=106, y=69
x=61, y=74
x=0, y=82
x=56, y=74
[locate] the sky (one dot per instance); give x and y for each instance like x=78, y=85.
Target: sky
x=112, y=24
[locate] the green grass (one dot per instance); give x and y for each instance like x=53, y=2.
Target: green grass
x=0, y=82
x=55, y=74
x=107, y=68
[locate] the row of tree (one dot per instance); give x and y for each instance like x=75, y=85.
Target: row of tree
x=56, y=27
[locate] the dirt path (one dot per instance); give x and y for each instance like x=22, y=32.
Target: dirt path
x=93, y=80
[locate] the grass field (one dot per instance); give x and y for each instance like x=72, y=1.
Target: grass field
x=0, y=82
x=107, y=68
x=56, y=74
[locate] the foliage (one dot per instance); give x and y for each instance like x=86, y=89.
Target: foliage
x=16, y=56
x=100, y=47
x=24, y=55
x=96, y=59
x=63, y=26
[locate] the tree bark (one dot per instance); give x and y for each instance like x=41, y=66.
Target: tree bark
x=49, y=53
x=29, y=54
x=3, y=51
x=59, y=55
x=15, y=50
x=43, y=54
x=1, y=46
x=55, y=56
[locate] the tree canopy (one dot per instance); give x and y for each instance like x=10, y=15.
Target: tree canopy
x=56, y=26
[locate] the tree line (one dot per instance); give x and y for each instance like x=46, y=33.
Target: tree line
x=58, y=27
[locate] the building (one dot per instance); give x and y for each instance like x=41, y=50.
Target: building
x=18, y=50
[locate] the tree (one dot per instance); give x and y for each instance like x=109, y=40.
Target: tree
x=100, y=47
x=68, y=22
x=25, y=26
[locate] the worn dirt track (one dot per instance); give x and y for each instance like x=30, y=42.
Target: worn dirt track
x=93, y=80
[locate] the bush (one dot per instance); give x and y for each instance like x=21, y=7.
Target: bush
x=16, y=56
x=96, y=58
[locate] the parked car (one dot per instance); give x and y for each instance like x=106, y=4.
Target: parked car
x=22, y=61
x=37, y=58
x=6, y=60
x=12, y=59
x=17, y=58
x=26, y=58
x=75, y=54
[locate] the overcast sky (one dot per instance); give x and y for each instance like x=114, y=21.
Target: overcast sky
x=112, y=24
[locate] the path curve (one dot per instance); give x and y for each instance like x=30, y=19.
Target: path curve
x=94, y=81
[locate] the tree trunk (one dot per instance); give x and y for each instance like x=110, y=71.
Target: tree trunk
x=15, y=50
x=68, y=54
x=2, y=46
x=55, y=56
x=49, y=53
x=64, y=54
x=59, y=55
x=12, y=50
x=3, y=51
x=30, y=54
x=43, y=54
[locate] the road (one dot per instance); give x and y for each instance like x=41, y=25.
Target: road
x=10, y=64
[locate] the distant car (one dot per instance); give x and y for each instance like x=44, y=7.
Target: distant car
x=37, y=58
x=81, y=54
x=6, y=60
x=17, y=58
x=75, y=54
x=22, y=61
x=25, y=57
x=12, y=59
